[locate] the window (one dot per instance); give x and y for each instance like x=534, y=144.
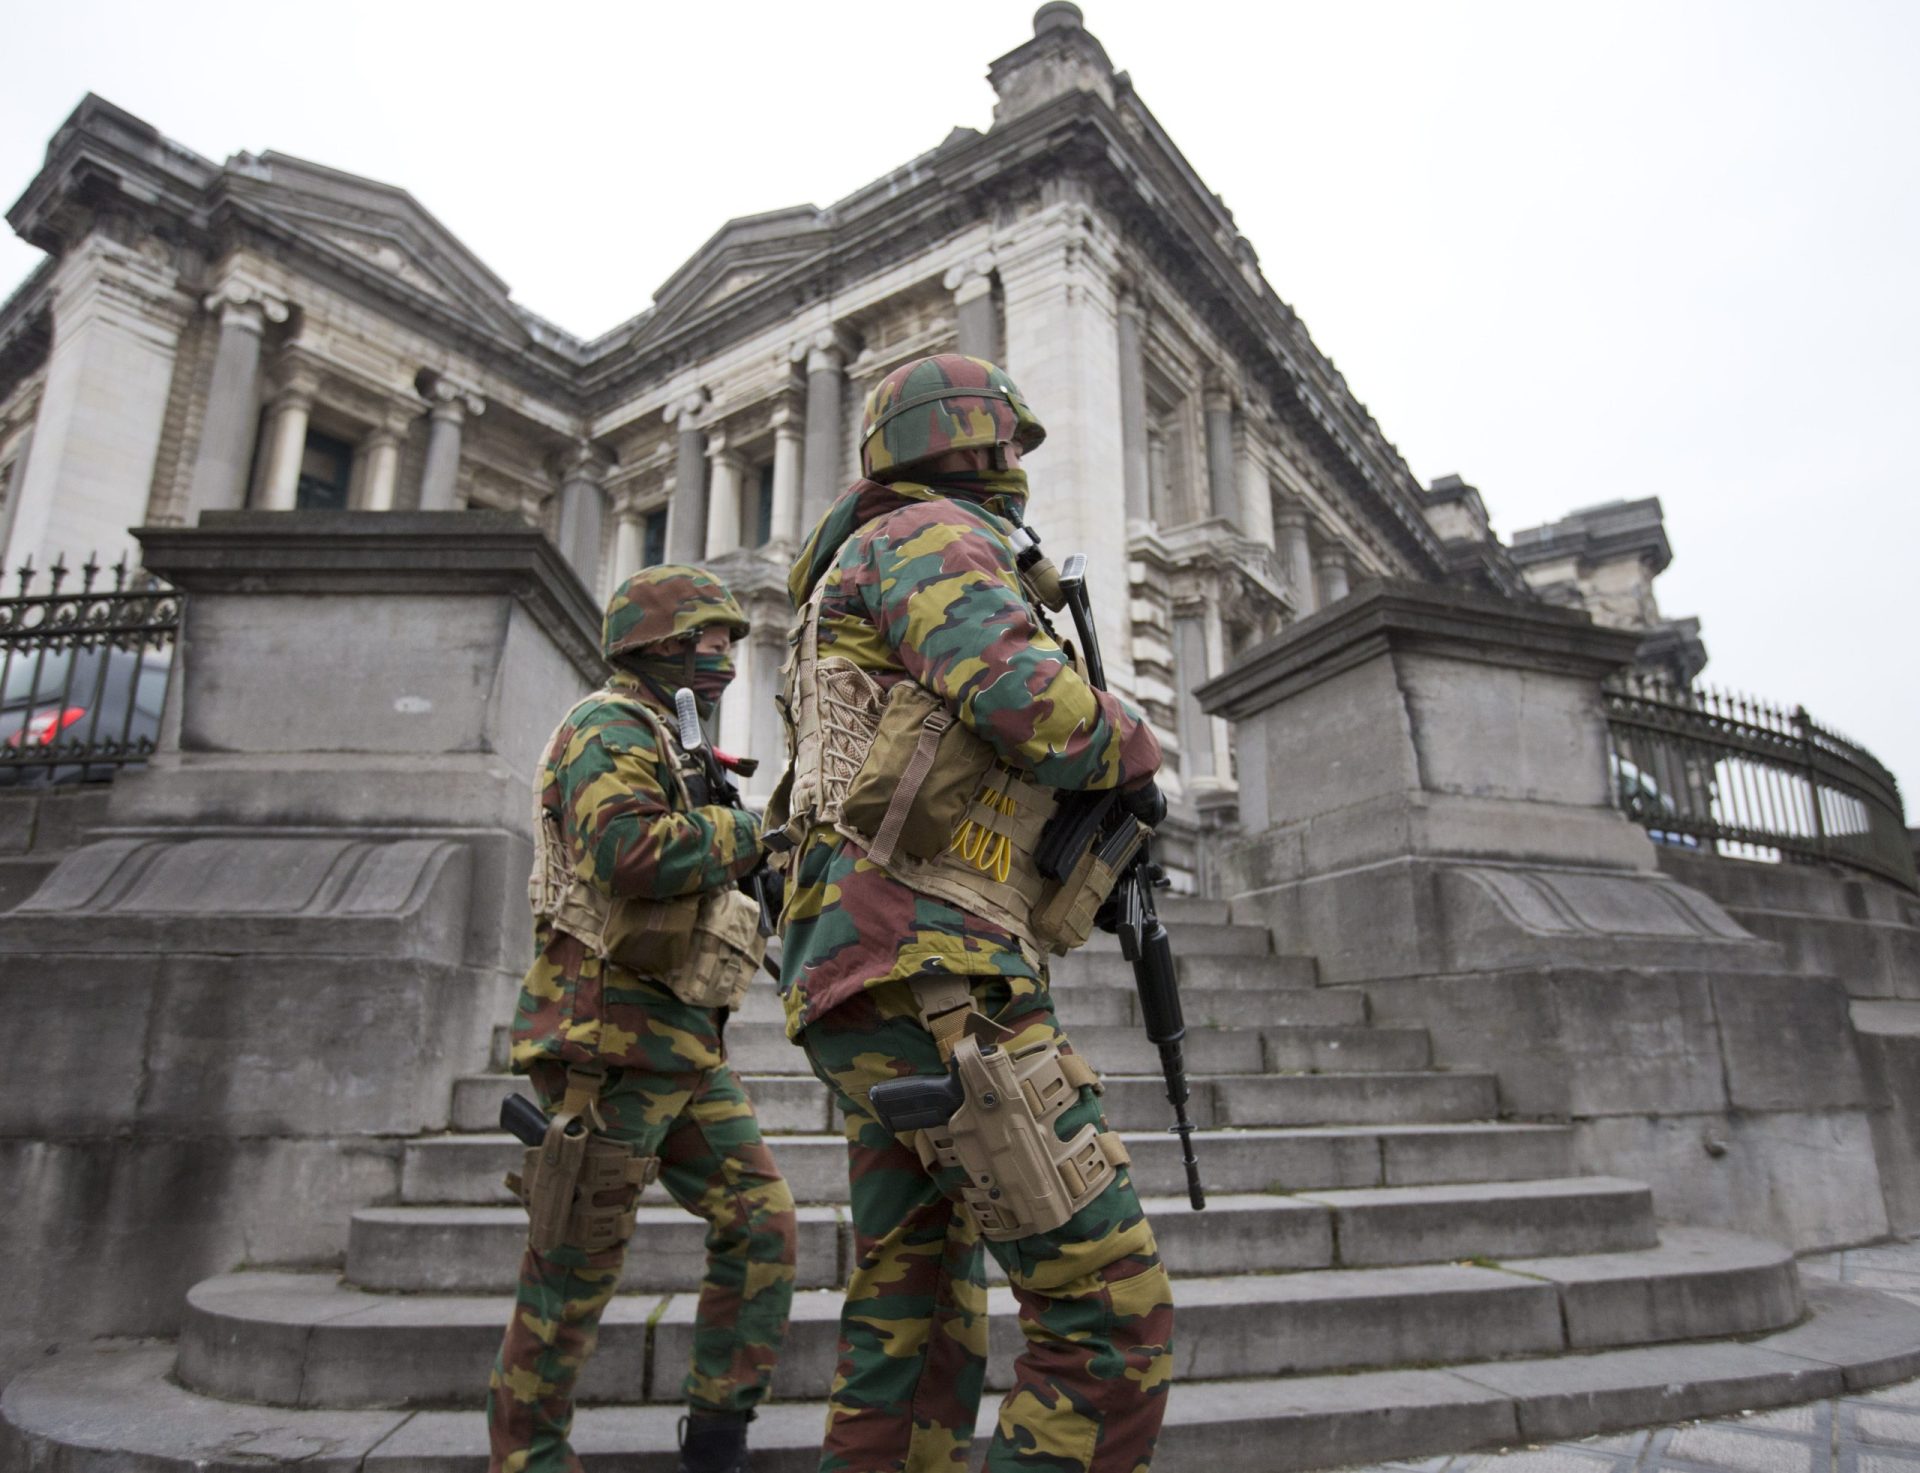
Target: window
x=653, y=538
x=326, y=470
x=756, y=508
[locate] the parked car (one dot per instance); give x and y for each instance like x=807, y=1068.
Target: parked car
x=1640, y=798
x=91, y=700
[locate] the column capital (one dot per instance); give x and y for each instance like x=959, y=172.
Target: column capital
x=1291, y=518
x=685, y=409
x=787, y=420
x=1330, y=555
x=383, y=434
x=970, y=278
x=454, y=402
x=580, y=461
x=827, y=349
x=241, y=304
x=722, y=453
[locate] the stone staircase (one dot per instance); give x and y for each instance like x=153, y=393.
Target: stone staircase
x=1386, y=1268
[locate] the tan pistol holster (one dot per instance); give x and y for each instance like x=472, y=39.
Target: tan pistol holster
x=581, y=1189
x=1022, y=1179
x=929, y=801
x=705, y=948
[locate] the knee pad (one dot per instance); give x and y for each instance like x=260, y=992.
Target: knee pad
x=581, y=1189
x=1022, y=1179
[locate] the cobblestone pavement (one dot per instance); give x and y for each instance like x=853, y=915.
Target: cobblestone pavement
x=1875, y=1433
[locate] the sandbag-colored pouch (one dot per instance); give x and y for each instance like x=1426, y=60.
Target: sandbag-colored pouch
x=725, y=951
x=918, y=778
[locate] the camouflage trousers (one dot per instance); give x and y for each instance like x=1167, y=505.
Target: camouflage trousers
x=714, y=1164
x=1096, y=1309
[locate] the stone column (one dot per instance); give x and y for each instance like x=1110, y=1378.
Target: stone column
x=825, y=355
x=117, y=319
x=1331, y=561
x=723, y=498
x=1296, y=557
x=629, y=545
x=789, y=444
x=1256, y=496
x=440, y=480
x=1223, y=489
x=1134, y=461
x=382, y=451
x=977, y=324
x=221, y=460
x=286, y=439
x=16, y=479
x=1063, y=349
x=580, y=532
x=687, y=512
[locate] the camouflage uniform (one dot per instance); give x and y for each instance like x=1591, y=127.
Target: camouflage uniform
x=921, y=585
x=669, y=1091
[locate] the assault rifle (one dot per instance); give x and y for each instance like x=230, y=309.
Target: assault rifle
x=1143, y=937
x=721, y=789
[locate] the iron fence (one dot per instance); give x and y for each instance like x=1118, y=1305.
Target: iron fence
x=1745, y=779
x=83, y=673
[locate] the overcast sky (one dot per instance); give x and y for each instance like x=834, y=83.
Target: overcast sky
x=1573, y=252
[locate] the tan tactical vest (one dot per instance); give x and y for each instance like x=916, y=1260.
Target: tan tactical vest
x=704, y=947
x=899, y=776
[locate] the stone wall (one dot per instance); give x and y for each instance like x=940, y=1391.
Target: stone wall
x=273, y=950
x=1425, y=799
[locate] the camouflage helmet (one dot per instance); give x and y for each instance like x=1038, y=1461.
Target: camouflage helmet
x=946, y=402
x=663, y=603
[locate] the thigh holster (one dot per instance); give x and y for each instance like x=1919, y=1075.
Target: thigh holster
x=581, y=1189
x=1022, y=1179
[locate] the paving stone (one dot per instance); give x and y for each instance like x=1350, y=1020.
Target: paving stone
x=1891, y=1424
x=1720, y=1445
x=1545, y=1460
x=1874, y=1337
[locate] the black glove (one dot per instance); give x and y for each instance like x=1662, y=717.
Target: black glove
x=1146, y=803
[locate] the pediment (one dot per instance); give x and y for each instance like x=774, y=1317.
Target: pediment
x=374, y=225
x=740, y=255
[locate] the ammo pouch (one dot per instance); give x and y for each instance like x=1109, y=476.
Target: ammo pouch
x=724, y=951
x=580, y=1189
x=918, y=777
x=1022, y=1179
x=1064, y=917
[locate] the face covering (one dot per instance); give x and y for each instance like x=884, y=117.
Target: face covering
x=985, y=486
x=707, y=676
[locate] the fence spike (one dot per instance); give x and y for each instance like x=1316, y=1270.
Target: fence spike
x=25, y=575
x=120, y=574
x=89, y=570
x=58, y=572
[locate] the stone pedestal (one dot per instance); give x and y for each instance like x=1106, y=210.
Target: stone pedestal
x=288, y=935
x=1425, y=790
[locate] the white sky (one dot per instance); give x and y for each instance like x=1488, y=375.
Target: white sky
x=1571, y=252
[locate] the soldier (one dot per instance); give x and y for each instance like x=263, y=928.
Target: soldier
x=913, y=943
x=619, y=1028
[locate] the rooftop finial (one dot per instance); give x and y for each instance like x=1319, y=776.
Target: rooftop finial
x=1057, y=15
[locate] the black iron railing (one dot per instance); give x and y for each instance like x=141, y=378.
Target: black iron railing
x=1745, y=779
x=83, y=673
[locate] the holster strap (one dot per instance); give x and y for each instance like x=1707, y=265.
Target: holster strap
x=1080, y=1073
x=1113, y=1148
x=944, y=1001
x=584, y=1084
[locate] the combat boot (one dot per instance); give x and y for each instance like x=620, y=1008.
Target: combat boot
x=714, y=1442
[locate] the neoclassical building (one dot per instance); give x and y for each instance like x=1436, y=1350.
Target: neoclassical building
x=271, y=333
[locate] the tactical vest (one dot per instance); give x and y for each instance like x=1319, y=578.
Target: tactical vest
x=928, y=800
x=705, y=948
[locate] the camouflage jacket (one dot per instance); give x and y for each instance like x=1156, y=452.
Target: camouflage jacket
x=613, y=790
x=922, y=586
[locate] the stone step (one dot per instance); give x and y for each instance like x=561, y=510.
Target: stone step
x=1085, y=968
x=1192, y=938
x=468, y=1168
x=1191, y=909
x=793, y=1103
x=305, y=1339
x=1099, y=992
x=477, y=1249
x=110, y=1407
x=1227, y=1004
x=764, y=1048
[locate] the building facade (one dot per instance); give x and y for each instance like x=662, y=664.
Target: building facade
x=271, y=333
